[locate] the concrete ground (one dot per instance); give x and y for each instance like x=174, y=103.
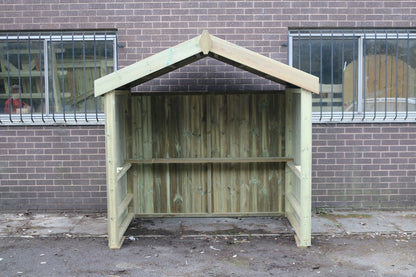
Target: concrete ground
x=343, y=244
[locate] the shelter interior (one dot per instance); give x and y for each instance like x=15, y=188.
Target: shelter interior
x=213, y=154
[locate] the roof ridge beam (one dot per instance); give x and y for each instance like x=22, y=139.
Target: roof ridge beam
x=205, y=42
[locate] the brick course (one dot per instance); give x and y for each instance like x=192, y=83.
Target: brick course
x=351, y=170
x=55, y=172
x=354, y=165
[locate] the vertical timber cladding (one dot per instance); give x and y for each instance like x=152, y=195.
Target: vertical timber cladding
x=176, y=127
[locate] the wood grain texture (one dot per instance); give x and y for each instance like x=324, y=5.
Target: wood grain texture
x=200, y=47
x=209, y=153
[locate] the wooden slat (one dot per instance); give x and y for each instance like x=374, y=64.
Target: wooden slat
x=296, y=169
x=111, y=149
x=21, y=74
x=121, y=171
x=247, y=154
x=146, y=132
x=233, y=142
x=294, y=203
x=200, y=47
x=209, y=153
x=255, y=150
x=244, y=149
x=123, y=227
x=305, y=148
x=124, y=205
x=262, y=65
x=149, y=66
x=298, y=145
x=214, y=214
x=36, y=95
x=211, y=160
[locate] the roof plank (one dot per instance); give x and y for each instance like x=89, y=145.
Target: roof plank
x=270, y=69
x=198, y=48
x=148, y=66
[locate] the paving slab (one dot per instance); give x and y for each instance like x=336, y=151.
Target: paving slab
x=95, y=226
x=403, y=221
x=11, y=224
x=354, y=223
x=15, y=225
x=325, y=225
x=50, y=224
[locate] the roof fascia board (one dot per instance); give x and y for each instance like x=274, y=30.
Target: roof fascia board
x=147, y=66
x=259, y=63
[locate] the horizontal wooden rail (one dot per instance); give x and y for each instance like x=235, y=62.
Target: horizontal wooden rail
x=207, y=214
x=211, y=160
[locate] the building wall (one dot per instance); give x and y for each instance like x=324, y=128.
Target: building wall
x=149, y=26
x=364, y=166
x=354, y=165
x=52, y=168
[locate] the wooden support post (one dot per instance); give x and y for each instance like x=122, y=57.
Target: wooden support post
x=119, y=214
x=111, y=168
x=304, y=238
x=298, y=174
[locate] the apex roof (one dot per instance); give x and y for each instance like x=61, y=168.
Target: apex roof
x=200, y=47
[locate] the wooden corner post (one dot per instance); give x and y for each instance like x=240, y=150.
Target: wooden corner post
x=119, y=196
x=298, y=173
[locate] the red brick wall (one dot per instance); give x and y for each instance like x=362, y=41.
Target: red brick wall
x=42, y=168
x=52, y=168
x=364, y=166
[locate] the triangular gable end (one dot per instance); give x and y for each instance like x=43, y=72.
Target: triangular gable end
x=200, y=47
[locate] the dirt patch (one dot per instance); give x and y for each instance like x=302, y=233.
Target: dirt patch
x=209, y=227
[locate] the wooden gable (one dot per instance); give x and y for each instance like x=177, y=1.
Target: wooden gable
x=200, y=47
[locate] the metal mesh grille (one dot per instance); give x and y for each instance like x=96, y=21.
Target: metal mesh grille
x=48, y=78
x=365, y=75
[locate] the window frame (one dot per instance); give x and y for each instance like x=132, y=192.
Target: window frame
x=359, y=114
x=48, y=117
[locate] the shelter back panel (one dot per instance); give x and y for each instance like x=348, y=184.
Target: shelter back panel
x=208, y=154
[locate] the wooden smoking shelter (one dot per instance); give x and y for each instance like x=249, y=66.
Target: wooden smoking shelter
x=208, y=154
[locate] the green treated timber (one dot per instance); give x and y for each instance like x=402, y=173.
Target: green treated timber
x=111, y=149
x=116, y=244
x=124, y=205
x=21, y=74
x=214, y=214
x=121, y=171
x=299, y=145
x=200, y=47
x=211, y=160
x=296, y=169
x=147, y=66
x=263, y=66
x=116, y=225
x=306, y=165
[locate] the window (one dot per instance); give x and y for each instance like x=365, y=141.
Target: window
x=365, y=75
x=49, y=77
